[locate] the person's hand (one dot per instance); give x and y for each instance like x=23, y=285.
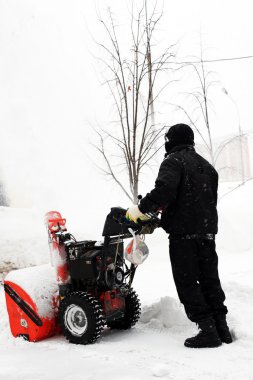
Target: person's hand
x=133, y=214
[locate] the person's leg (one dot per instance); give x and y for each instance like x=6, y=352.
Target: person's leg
x=209, y=277
x=211, y=287
x=185, y=268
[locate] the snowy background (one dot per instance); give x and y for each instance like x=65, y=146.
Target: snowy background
x=49, y=96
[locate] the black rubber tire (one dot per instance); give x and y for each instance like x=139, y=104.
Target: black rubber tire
x=94, y=317
x=132, y=313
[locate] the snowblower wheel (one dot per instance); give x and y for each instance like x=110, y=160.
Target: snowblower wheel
x=132, y=313
x=81, y=318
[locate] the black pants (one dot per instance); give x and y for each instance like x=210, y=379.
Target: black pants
x=195, y=270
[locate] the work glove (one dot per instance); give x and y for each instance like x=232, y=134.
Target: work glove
x=133, y=214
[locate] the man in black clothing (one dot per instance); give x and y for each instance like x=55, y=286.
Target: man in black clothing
x=186, y=191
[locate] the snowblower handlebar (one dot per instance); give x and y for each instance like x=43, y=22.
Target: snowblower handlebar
x=146, y=226
x=153, y=219
x=117, y=224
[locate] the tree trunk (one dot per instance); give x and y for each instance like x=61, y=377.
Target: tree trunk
x=135, y=194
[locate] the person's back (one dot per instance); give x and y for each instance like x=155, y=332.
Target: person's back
x=193, y=210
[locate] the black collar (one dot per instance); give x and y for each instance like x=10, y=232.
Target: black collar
x=181, y=147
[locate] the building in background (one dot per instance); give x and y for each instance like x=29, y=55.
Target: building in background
x=233, y=157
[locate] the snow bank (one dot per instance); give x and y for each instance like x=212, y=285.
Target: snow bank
x=40, y=284
x=23, y=238
x=166, y=313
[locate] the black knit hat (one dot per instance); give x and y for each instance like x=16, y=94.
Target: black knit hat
x=182, y=133
x=178, y=134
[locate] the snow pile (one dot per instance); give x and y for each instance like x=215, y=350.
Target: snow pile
x=40, y=284
x=23, y=238
x=161, y=370
x=240, y=298
x=166, y=313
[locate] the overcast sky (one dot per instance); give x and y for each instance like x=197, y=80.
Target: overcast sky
x=50, y=91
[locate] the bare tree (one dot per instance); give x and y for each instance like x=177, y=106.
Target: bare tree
x=202, y=103
x=134, y=137
x=198, y=116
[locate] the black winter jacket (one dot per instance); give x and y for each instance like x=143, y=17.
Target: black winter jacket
x=186, y=190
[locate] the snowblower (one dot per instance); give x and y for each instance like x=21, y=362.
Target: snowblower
x=93, y=285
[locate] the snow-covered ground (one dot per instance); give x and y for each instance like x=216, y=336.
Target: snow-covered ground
x=154, y=348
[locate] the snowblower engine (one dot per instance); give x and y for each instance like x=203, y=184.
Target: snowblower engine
x=94, y=264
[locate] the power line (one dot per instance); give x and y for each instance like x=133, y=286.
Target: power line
x=216, y=60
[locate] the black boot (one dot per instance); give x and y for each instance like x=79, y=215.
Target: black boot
x=207, y=337
x=222, y=328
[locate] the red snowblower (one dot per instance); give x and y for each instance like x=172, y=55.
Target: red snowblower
x=92, y=286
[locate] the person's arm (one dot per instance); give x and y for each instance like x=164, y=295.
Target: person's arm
x=166, y=185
